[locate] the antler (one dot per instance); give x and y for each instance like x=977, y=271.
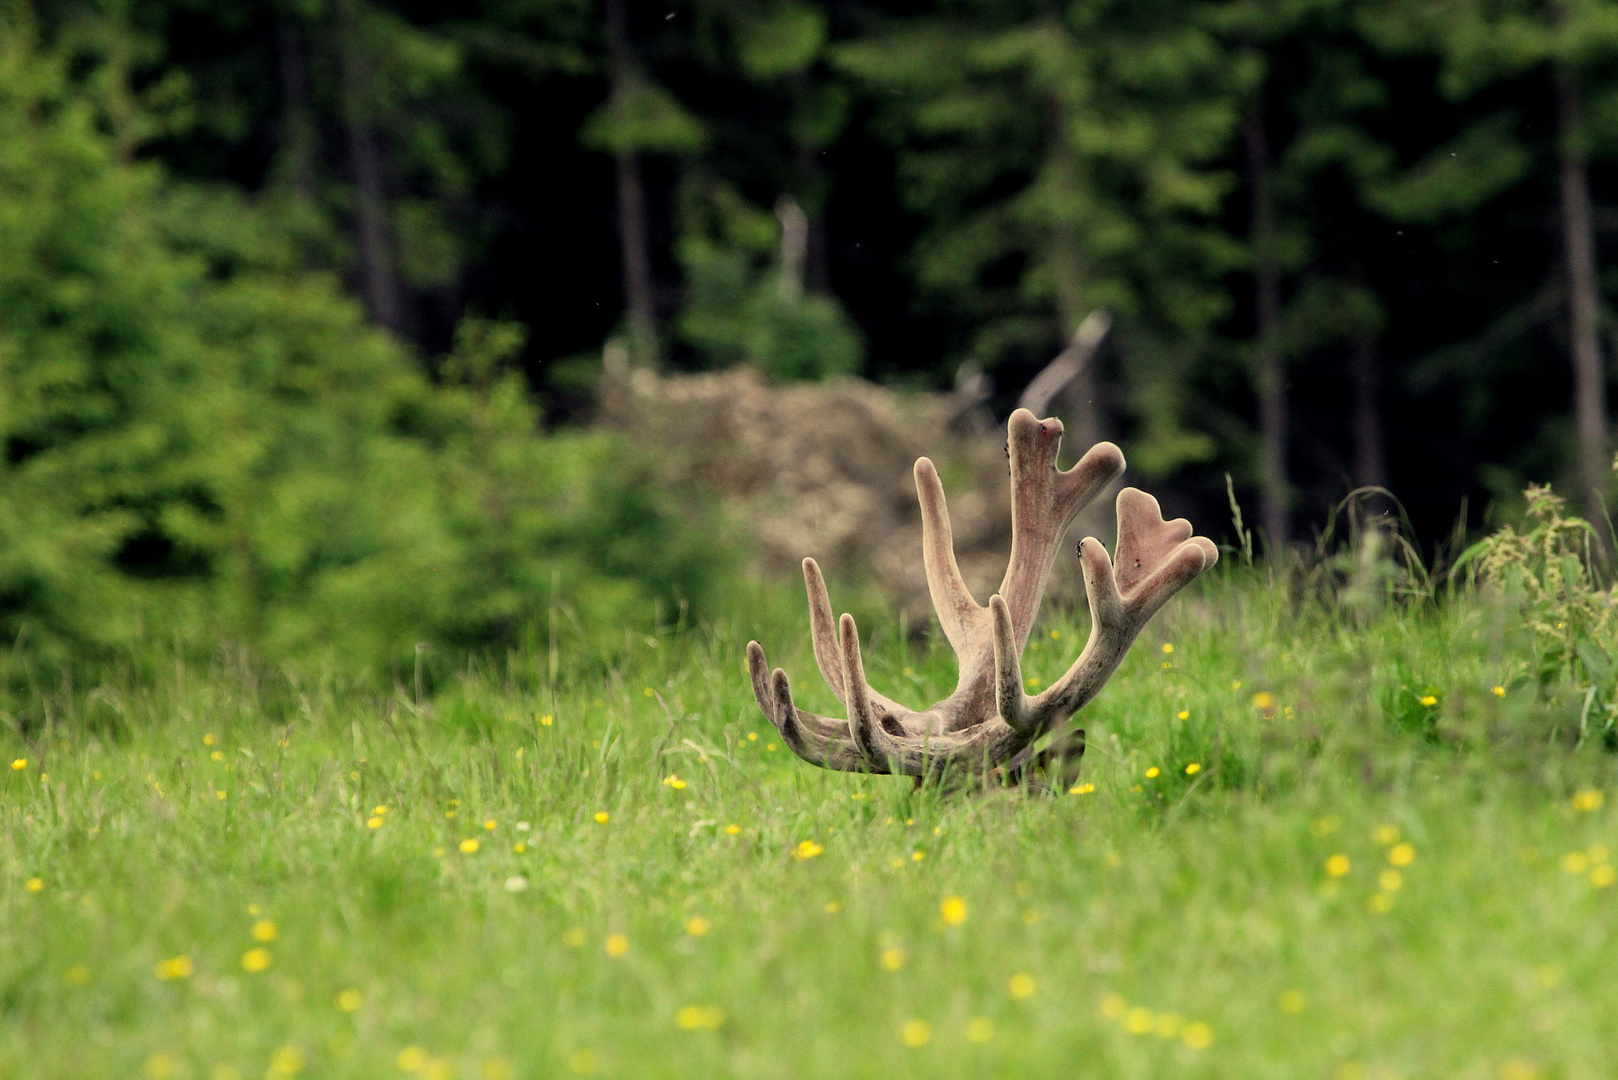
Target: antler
x=989, y=721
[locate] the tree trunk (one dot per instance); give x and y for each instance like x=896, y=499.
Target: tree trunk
x=296, y=167
x=1370, y=467
x=1578, y=242
x=377, y=281
x=1268, y=374
x=634, y=247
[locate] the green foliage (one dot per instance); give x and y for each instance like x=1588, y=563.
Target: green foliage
x=202, y=442
x=742, y=304
x=1341, y=863
x=1549, y=575
x=1082, y=145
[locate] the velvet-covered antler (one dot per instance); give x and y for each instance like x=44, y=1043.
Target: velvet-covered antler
x=989, y=721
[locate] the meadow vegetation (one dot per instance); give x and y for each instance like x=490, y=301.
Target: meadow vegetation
x=1311, y=838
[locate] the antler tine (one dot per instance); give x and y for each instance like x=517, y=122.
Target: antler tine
x=821, y=631
x=1155, y=570
x=1009, y=697
x=837, y=754
x=873, y=741
x=1043, y=504
x=957, y=611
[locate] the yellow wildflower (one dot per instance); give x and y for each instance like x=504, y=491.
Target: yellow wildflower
x=601, y=817
x=916, y=1033
x=806, y=849
x=1113, y=1006
x=617, y=945
x=1264, y=701
x=732, y=830
x=1021, y=986
x=1499, y=691
x=1197, y=1035
x=547, y=720
x=34, y=884
x=1589, y=800
x=286, y=1061
x=1402, y=854
x=374, y=822
x=573, y=938
x=411, y=1058
x=980, y=1029
x=673, y=781
x=1602, y=876
x=20, y=764
x=1338, y=865
x=256, y=959
x=1386, y=835
x=1081, y=789
x=893, y=958
x=1168, y=647
x=1390, y=880
x=1139, y=1021
x=490, y=824
x=696, y=926
x=1429, y=700
x=953, y=910
x=1293, y=1001
x=1193, y=769
x=1183, y=714
x=1153, y=773
x=350, y=1000
x=699, y=1017
x=177, y=967
x=469, y=845
x=265, y=930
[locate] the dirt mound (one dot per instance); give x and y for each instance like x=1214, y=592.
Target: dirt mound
x=824, y=469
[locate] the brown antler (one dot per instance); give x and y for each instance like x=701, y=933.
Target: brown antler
x=989, y=721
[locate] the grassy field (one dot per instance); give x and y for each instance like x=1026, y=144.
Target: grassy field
x=1305, y=845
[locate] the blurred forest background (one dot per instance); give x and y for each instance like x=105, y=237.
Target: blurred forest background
x=303, y=303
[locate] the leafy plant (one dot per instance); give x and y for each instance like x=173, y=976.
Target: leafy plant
x=1550, y=573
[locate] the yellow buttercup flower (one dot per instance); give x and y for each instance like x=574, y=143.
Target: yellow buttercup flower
x=34, y=884
x=1197, y=1035
x=732, y=830
x=601, y=817
x=411, y=1058
x=1589, y=800
x=256, y=960
x=350, y=1000
x=1499, y=691
x=1081, y=789
x=1402, y=854
x=916, y=1033
x=806, y=849
x=893, y=959
x=1338, y=865
x=673, y=781
x=616, y=945
x=373, y=822
x=696, y=926
x=953, y=910
x=1183, y=714
x=1193, y=768
x=699, y=1017
x=265, y=930
x=1168, y=647
x=177, y=967
x=490, y=824
x=1022, y=986
x=20, y=764
x=1139, y=1021
x=469, y=845
x=1429, y=700
x=1153, y=773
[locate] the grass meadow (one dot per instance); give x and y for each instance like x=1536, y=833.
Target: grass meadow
x=1306, y=843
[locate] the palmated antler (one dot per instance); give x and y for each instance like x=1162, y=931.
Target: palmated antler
x=989, y=721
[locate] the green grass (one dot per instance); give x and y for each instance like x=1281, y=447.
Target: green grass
x=1197, y=907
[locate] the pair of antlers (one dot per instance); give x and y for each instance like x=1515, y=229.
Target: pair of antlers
x=989, y=722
